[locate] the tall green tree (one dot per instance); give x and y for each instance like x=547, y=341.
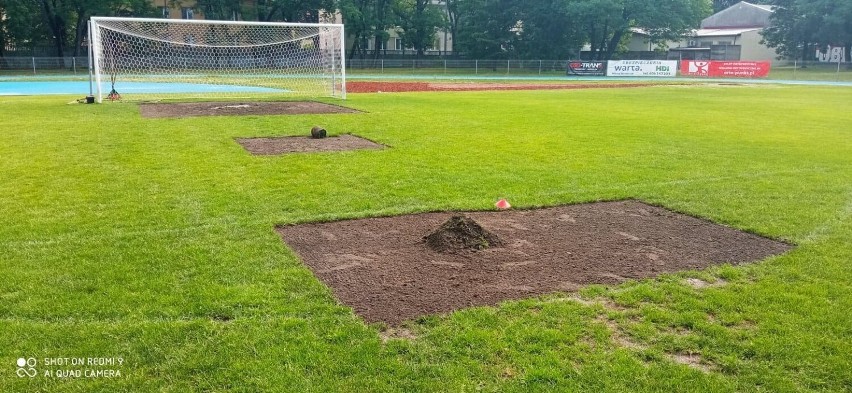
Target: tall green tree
x=452, y=10
x=798, y=27
x=292, y=10
x=550, y=29
x=358, y=21
x=221, y=9
x=525, y=29
x=3, y=35
x=62, y=24
x=488, y=29
x=719, y=5
x=418, y=22
x=609, y=21
x=367, y=20
x=835, y=27
x=23, y=27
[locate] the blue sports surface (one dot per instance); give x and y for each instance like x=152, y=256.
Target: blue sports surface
x=82, y=88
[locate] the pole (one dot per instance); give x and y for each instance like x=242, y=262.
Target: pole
x=34, y=70
x=342, y=63
x=96, y=66
x=477, y=67
x=91, y=56
x=838, y=68
x=795, y=66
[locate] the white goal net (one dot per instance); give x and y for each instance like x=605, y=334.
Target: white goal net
x=151, y=59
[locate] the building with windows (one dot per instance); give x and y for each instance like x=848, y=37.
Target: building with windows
x=170, y=9
x=730, y=34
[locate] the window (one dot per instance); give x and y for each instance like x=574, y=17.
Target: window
x=398, y=45
x=166, y=12
x=186, y=13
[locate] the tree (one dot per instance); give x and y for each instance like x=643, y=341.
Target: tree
x=358, y=22
x=367, y=20
x=452, y=9
x=220, y=9
x=3, y=38
x=719, y=5
x=550, y=29
x=835, y=26
x=61, y=23
x=797, y=27
x=22, y=24
x=418, y=21
x=608, y=22
x=506, y=28
x=488, y=29
x=292, y=10
x=57, y=13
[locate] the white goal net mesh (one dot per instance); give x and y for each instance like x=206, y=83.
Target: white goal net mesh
x=150, y=59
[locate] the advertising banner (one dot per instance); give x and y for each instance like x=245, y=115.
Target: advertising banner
x=641, y=68
x=587, y=68
x=725, y=69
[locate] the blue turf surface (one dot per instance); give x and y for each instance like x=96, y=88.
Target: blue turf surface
x=12, y=88
x=82, y=88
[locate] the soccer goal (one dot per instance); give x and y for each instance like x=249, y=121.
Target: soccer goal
x=153, y=59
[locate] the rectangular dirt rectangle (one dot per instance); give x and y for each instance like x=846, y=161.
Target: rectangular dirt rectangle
x=304, y=144
x=382, y=268
x=191, y=109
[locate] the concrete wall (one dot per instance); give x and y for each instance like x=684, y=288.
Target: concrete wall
x=753, y=50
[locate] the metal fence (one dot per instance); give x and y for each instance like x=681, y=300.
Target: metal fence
x=456, y=67
x=44, y=65
x=792, y=70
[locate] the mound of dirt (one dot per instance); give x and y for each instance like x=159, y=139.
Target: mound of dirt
x=461, y=233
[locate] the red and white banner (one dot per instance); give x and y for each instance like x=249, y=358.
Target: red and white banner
x=725, y=69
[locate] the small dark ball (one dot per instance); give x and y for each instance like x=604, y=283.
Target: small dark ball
x=318, y=132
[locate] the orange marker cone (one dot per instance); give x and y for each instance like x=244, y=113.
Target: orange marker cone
x=502, y=204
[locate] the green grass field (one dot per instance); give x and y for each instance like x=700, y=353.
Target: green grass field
x=152, y=240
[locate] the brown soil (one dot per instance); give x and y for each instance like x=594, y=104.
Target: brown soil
x=188, y=109
x=305, y=144
x=389, y=87
x=460, y=233
x=382, y=268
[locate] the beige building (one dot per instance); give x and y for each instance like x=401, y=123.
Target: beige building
x=730, y=34
x=177, y=9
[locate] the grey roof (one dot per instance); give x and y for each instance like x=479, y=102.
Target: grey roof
x=742, y=14
x=766, y=7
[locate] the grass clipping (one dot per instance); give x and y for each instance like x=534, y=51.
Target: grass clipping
x=461, y=233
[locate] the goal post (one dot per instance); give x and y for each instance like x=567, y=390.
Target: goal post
x=153, y=59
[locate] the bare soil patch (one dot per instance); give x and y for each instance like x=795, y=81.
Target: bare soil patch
x=189, y=109
x=306, y=144
x=384, y=270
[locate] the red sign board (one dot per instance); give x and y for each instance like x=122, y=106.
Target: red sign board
x=725, y=69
